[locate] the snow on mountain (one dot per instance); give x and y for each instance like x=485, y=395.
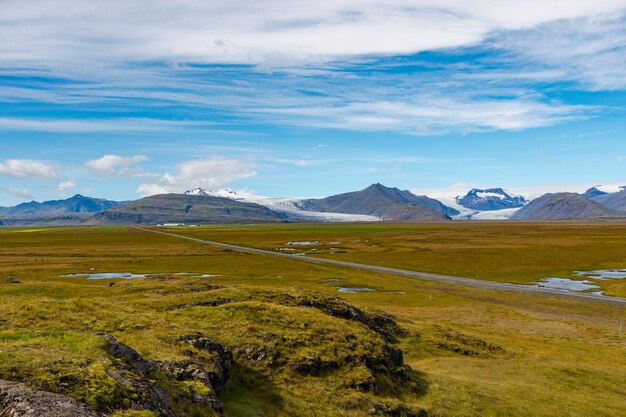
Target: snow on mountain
x=450, y=197
x=196, y=191
x=288, y=206
x=469, y=214
x=490, y=199
x=484, y=194
x=503, y=214
x=224, y=193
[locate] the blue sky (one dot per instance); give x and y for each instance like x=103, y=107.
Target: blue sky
x=300, y=98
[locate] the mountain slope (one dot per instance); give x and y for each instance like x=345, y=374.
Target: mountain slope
x=490, y=199
x=562, y=206
x=189, y=209
x=384, y=202
x=615, y=201
x=75, y=204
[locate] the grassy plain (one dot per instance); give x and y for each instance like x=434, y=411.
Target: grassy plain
x=473, y=352
x=517, y=252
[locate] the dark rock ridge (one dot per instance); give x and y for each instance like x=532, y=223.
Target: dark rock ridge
x=490, y=199
x=17, y=400
x=188, y=209
x=75, y=204
x=615, y=201
x=69, y=212
x=384, y=202
x=140, y=374
x=34, y=220
x=563, y=206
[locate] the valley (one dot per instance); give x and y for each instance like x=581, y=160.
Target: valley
x=300, y=346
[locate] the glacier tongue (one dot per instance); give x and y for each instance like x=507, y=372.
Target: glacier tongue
x=288, y=206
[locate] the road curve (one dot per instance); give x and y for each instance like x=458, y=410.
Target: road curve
x=446, y=279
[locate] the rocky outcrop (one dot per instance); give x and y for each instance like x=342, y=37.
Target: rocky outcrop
x=17, y=400
x=222, y=359
x=379, y=322
x=137, y=373
x=204, y=381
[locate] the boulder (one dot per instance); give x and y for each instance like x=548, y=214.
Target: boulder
x=17, y=400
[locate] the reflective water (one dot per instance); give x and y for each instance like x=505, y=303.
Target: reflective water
x=107, y=275
x=355, y=290
x=602, y=274
x=566, y=284
x=130, y=275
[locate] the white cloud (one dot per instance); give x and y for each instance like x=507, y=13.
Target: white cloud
x=311, y=46
x=23, y=193
x=277, y=31
x=27, y=168
x=590, y=50
x=209, y=173
x=117, y=125
x=66, y=185
x=432, y=115
x=621, y=158
x=115, y=165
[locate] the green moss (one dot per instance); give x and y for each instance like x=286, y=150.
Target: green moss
x=133, y=413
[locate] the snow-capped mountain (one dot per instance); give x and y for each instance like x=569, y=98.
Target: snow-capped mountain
x=288, y=206
x=224, y=193
x=490, y=199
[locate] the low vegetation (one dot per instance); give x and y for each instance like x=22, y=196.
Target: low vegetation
x=516, y=252
x=299, y=348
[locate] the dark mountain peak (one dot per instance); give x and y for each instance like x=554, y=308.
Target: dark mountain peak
x=594, y=192
x=384, y=202
x=615, y=201
x=562, y=206
x=75, y=204
x=486, y=199
x=380, y=188
x=188, y=209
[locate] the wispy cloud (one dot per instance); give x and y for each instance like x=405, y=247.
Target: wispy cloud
x=112, y=125
x=433, y=115
x=341, y=64
x=589, y=50
x=28, y=169
x=275, y=32
x=17, y=192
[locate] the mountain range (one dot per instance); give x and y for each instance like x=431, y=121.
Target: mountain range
x=374, y=203
x=383, y=202
x=490, y=199
x=188, y=209
x=615, y=201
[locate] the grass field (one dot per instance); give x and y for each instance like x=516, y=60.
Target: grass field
x=472, y=352
x=506, y=251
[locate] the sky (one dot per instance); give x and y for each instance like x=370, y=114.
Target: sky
x=280, y=98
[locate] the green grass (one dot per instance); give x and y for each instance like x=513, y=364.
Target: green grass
x=508, y=252
x=473, y=352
